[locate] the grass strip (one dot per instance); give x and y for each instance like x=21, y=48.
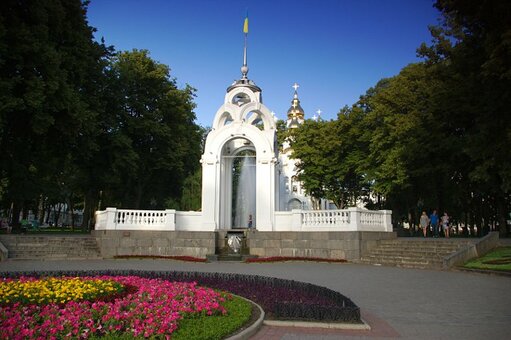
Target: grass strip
x=499, y=259
x=216, y=326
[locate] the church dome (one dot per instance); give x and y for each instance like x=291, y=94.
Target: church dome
x=295, y=114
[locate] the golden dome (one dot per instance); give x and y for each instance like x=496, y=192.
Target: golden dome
x=295, y=114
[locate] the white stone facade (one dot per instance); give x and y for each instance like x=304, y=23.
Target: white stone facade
x=243, y=122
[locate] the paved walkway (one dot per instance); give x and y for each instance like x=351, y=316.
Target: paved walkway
x=397, y=303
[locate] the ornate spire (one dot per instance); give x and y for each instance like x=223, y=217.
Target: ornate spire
x=244, y=81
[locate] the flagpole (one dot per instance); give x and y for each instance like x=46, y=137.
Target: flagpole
x=244, y=69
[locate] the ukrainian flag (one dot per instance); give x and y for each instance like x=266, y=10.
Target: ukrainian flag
x=245, y=25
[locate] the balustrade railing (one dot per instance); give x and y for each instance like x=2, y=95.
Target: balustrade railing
x=351, y=219
x=325, y=218
x=142, y=218
x=371, y=218
x=127, y=219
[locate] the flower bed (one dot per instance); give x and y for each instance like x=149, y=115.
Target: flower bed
x=29, y=290
x=281, y=299
x=290, y=258
x=151, y=307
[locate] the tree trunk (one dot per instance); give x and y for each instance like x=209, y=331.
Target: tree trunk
x=502, y=216
x=89, y=207
x=15, y=217
x=138, y=195
x=56, y=214
x=71, y=209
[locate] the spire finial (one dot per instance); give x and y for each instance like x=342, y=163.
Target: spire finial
x=295, y=86
x=244, y=68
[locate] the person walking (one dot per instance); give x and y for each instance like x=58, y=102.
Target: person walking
x=424, y=223
x=250, y=221
x=445, y=224
x=433, y=220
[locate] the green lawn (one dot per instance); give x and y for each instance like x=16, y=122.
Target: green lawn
x=204, y=327
x=215, y=327
x=497, y=259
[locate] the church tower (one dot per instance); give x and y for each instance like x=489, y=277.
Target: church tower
x=295, y=114
x=292, y=195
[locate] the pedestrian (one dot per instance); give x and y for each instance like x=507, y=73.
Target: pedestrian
x=445, y=224
x=424, y=223
x=433, y=220
x=250, y=221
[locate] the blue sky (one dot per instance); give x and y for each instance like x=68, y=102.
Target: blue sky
x=335, y=49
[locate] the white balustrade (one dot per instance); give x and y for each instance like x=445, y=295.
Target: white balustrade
x=351, y=219
x=144, y=218
x=326, y=218
x=128, y=219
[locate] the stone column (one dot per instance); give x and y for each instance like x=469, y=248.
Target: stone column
x=387, y=220
x=170, y=219
x=264, y=193
x=209, y=193
x=110, y=218
x=354, y=224
x=296, y=220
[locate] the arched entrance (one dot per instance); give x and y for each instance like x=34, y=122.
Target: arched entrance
x=238, y=184
x=244, y=189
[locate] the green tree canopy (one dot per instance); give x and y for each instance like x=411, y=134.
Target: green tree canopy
x=80, y=123
x=49, y=68
x=155, y=143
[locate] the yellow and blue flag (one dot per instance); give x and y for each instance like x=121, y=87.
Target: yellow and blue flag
x=245, y=25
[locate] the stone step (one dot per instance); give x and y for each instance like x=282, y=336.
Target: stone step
x=53, y=251
x=51, y=247
x=406, y=255
x=230, y=258
x=413, y=253
x=423, y=245
x=57, y=257
x=401, y=260
x=406, y=265
x=418, y=247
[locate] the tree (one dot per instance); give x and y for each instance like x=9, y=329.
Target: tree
x=471, y=51
x=324, y=164
x=49, y=66
x=154, y=141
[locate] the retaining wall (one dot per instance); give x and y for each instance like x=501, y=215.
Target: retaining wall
x=331, y=245
x=158, y=243
x=350, y=245
x=471, y=251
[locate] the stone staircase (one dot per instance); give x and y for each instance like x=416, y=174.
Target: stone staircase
x=413, y=252
x=51, y=247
